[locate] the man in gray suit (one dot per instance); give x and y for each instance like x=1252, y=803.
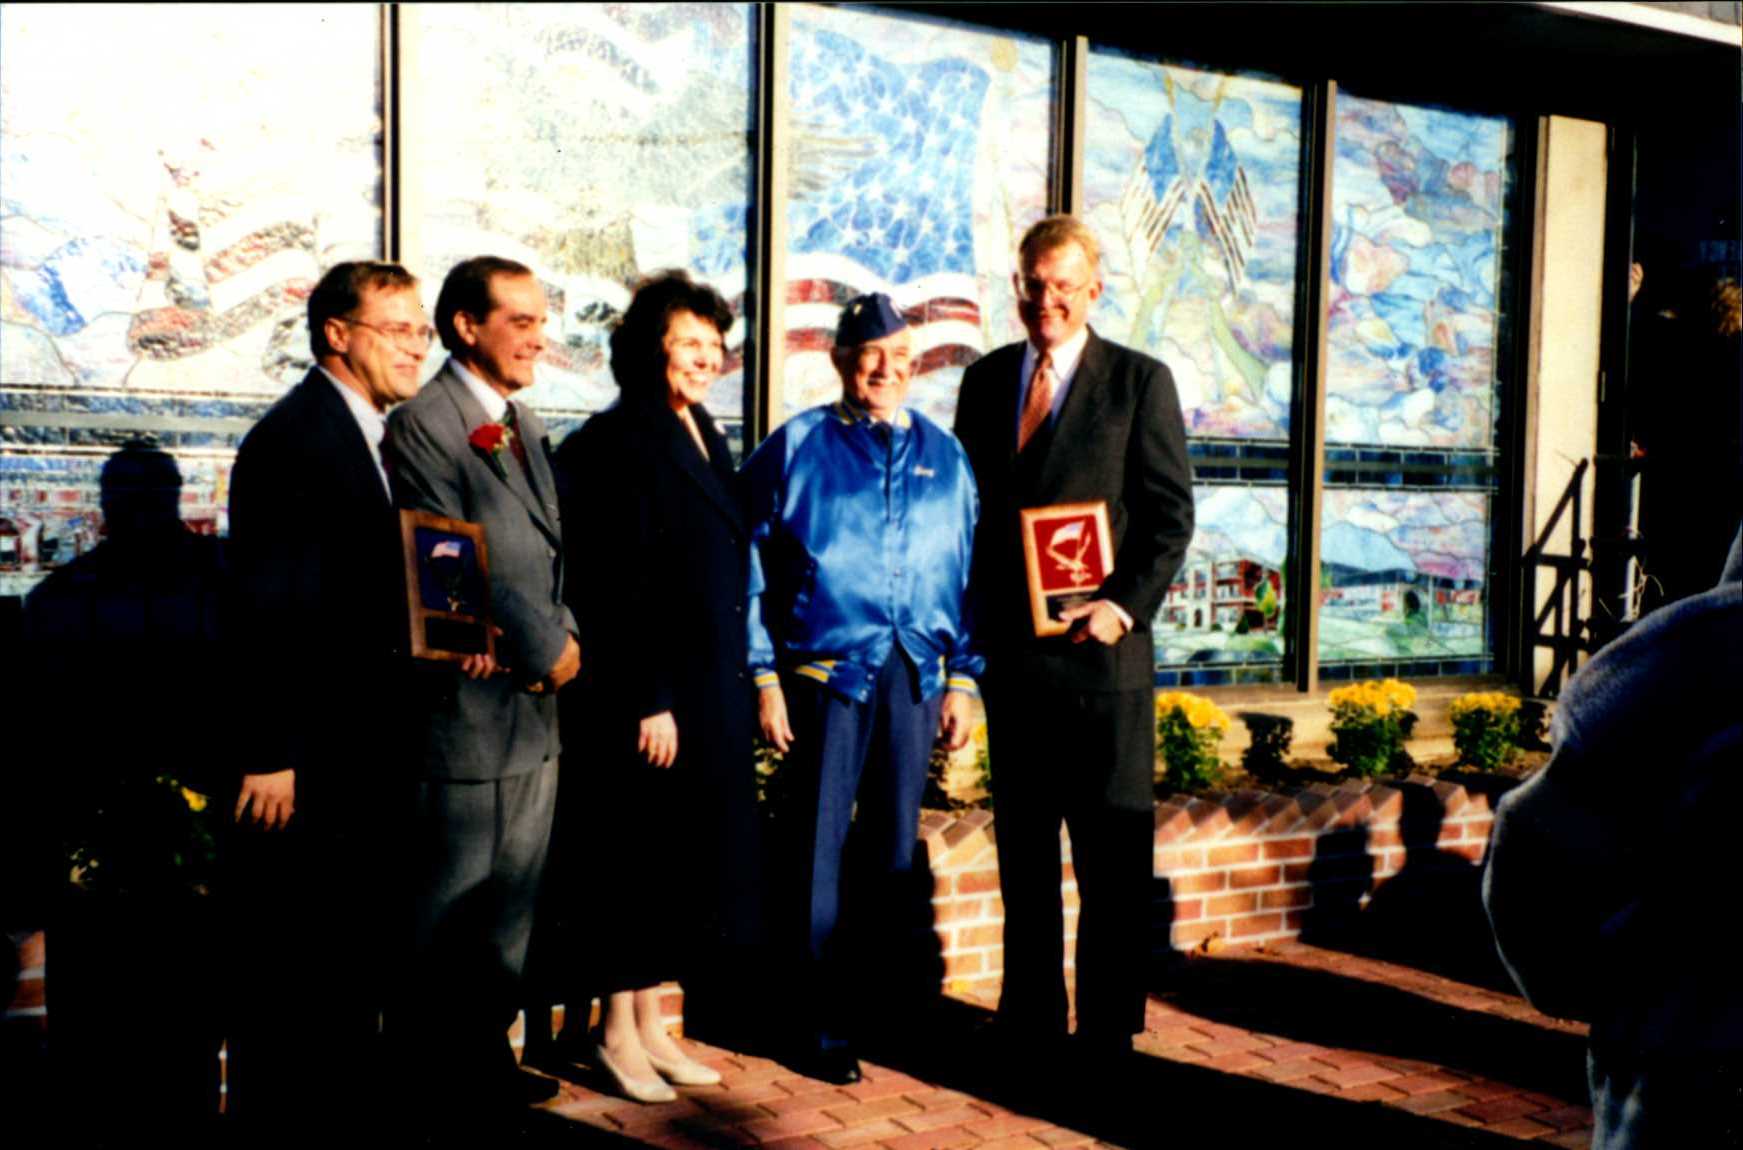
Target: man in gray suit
x=487, y=765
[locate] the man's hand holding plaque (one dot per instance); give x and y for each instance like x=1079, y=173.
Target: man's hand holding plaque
x=1068, y=552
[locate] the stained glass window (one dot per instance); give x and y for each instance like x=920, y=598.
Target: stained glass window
x=595, y=143
x=920, y=151
x=1416, y=343
x=176, y=180
x=1191, y=185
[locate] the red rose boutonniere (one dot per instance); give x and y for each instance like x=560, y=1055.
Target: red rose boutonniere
x=492, y=439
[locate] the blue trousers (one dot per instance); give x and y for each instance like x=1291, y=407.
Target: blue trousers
x=872, y=756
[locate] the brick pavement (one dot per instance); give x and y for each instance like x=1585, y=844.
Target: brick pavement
x=1246, y=1045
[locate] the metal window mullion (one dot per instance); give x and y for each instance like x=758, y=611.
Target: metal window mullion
x=390, y=132
x=1307, y=440
x=768, y=280
x=1073, y=124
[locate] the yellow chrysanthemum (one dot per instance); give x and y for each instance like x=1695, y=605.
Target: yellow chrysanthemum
x=195, y=800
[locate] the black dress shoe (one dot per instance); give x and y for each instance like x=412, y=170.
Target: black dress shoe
x=837, y=1067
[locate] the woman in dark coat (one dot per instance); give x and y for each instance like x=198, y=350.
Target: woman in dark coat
x=658, y=846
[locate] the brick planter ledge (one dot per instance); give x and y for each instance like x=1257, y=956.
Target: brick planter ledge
x=1248, y=867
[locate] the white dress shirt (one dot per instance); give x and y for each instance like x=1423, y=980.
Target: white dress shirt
x=372, y=423
x=495, y=404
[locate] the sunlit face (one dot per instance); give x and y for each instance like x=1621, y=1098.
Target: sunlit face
x=875, y=375
x=694, y=353
x=503, y=347
x=1054, y=294
x=380, y=347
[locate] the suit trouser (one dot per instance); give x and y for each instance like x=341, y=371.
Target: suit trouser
x=873, y=754
x=1083, y=758
x=310, y=909
x=478, y=855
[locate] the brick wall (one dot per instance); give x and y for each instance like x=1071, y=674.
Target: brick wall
x=1256, y=865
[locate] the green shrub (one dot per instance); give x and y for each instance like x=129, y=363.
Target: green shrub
x=1371, y=720
x=1189, y=729
x=1486, y=728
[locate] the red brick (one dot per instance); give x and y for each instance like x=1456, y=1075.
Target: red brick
x=1360, y=1075
x=958, y=909
x=801, y=1143
x=1177, y=1036
x=860, y=1135
x=871, y=1111
x=1285, y=1051
x=1288, y=848
x=1004, y=1126
x=1188, y=910
x=882, y=1084
x=1431, y=1103
x=1237, y=1062
x=1450, y=833
x=1344, y=1059
x=1383, y=837
x=1289, y=1071
x=1238, y=853
x=1254, y=876
x=1429, y=1083
x=1189, y=933
x=1231, y=904
x=934, y=1119
x=1179, y=858
x=1291, y=896
x=958, y=965
x=1297, y=872
x=1372, y=1092
x=799, y=1103
x=977, y=882
x=1204, y=883
x=1217, y=1047
x=977, y=936
x=1255, y=924
x=1526, y=1128
x=939, y=1139
x=1015, y=1142
x=1501, y=1109
x=1059, y=1136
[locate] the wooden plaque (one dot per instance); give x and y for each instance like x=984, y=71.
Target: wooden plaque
x=1068, y=550
x=447, y=587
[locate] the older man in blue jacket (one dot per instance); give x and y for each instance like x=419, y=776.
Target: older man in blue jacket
x=863, y=516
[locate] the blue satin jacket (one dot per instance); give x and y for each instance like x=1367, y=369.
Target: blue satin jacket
x=861, y=535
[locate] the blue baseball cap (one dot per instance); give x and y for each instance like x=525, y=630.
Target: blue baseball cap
x=867, y=317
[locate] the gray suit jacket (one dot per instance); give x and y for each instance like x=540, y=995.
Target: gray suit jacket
x=493, y=728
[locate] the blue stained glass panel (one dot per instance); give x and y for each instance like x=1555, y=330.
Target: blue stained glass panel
x=1191, y=185
x=921, y=150
x=595, y=143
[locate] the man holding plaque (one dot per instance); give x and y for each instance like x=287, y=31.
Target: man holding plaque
x=1086, y=492
x=316, y=546
x=862, y=520
x=485, y=761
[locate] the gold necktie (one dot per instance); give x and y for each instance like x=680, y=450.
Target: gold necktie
x=1039, y=404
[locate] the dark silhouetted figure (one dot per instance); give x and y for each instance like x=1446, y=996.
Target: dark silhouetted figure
x=1599, y=879
x=126, y=711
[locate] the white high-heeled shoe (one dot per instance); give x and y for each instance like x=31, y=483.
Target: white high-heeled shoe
x=638, y=1089
x=685, y=1071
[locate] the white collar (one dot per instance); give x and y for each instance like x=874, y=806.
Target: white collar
x=495, y=404
x=372, y=422
x=1065, y=357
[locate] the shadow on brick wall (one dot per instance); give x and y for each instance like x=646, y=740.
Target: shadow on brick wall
x=1428, y=915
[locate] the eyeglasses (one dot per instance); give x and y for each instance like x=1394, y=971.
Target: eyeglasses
x=404, y=334
x=1034, y=289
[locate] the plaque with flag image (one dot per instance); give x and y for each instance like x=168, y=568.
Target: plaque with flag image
x=1069, y=552
x=447, y=573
